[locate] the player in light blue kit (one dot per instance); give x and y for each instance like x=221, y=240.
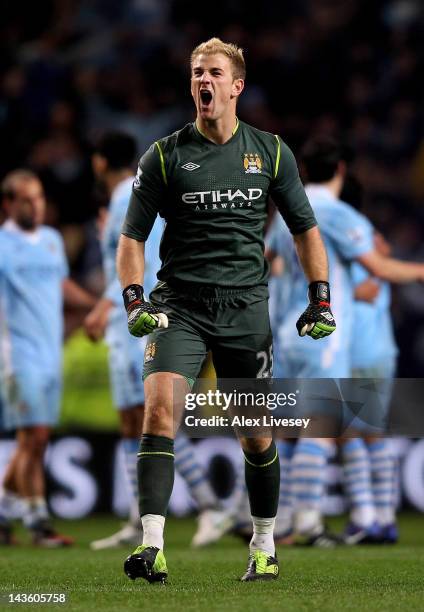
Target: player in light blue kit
x=373, y=355
x=348, y=237
x=112, y=165
x=33, y=282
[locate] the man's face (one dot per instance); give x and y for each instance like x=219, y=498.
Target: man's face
x=28, y=206
x=213, y=86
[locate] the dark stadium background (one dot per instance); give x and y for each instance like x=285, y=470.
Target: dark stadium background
x=70, y=70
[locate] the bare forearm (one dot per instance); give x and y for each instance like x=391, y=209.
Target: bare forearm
x=312, y=255
x=130, y=261
x=103, y=307
x=403, y=272
x=75, y=296
x=392, y=270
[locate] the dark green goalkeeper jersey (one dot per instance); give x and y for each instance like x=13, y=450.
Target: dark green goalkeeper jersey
x=213, y=198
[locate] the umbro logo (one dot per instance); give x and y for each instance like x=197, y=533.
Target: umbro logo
x=190, y=166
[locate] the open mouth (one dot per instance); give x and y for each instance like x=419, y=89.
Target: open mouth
x=205, y=96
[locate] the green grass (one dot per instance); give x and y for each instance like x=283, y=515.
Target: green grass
x=362, y=578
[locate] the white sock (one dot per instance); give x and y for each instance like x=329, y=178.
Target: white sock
x=153, y=526
x=11, y=505
x=308, y=522
x=35, y=510
x=263, y=535
x=364, y=516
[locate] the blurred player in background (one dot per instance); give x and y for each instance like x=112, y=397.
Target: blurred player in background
x=211, y=181
x=113, y=167
x=349, y=237
x=373, y=355
x=33, y=283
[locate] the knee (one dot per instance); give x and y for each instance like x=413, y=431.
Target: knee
x=255, y=445
x=162, y=406
x=158, y=419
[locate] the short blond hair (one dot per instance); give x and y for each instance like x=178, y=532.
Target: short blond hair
x=216, y=45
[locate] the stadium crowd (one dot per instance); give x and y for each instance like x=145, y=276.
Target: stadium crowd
x=72, y=70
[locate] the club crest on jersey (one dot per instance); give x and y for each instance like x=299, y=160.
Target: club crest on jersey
x=252, y=163
x=137, y=180
x=150, y=352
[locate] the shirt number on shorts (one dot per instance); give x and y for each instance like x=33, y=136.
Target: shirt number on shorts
x=267, y=363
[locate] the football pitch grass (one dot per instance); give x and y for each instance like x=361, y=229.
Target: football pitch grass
x=356, y=578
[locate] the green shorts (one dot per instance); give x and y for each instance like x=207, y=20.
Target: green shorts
x=231, y=323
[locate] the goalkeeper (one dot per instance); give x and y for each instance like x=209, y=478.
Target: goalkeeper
x=211, y=182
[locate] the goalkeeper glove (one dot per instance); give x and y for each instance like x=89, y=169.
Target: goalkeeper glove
x=317, y=321
x=143, y=317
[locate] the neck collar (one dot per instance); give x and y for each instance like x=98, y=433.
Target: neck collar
x=236, y=127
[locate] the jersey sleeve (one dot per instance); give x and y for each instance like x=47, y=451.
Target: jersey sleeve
x=288, y=193
x=351, y=232
x=64, y=267
x=148, y=193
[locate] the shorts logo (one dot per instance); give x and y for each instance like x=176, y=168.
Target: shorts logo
x=150, y=352
x=190, y=166
x=252, y=163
